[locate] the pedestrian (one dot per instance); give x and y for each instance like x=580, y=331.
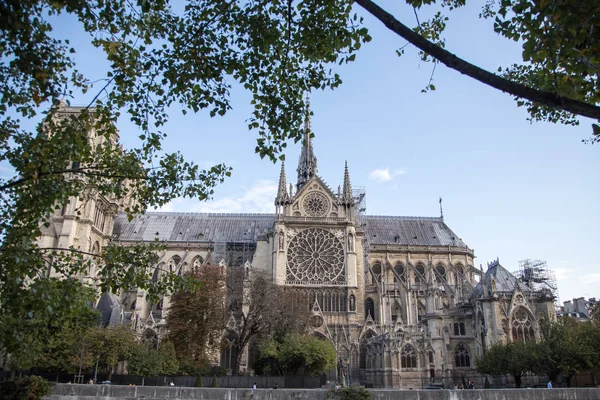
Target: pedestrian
x=276, y=386
x=455, y=386
x=172, y=383
x=549, y=384
x=471, y=386
x=91, y=382
x=254, y=386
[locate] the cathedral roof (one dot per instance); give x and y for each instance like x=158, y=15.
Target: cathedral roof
x=417, y=231
x=505, y=281
x=193, y=227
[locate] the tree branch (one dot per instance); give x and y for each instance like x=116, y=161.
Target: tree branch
x=452, y=61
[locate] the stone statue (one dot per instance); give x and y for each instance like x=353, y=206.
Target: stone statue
x=281, y=240
x=341, y=372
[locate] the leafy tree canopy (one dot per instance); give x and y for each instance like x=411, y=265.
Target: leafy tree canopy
x=566, y=347
x=49, y=333
x=146, y=361
x=514, y=358
x=297, y=354
x=559, y=78
x=111, y=345
x=196, y=319
x=260, y=310
x=157, y=58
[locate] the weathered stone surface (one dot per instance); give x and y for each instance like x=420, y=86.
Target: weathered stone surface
x=105, y=392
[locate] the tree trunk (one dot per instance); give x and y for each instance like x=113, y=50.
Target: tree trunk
x=568, y=378
x=236, y=366
x=57, y=374
x=110, y=372
x=518, y=381
x=143, y=379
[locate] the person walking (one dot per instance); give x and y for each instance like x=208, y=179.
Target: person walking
x=549, y=384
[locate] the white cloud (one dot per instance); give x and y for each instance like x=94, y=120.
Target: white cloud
x=385, y=175
x=380, y=175
x=257, y=199
x=562, y=273
x=591, y=278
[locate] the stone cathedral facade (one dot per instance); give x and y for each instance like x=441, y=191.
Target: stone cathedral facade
x=399, y=297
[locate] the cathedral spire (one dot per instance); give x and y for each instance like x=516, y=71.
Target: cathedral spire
x=347, y=193
x=282, y=194
x=307, y=164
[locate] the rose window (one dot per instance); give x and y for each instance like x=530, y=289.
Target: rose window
x=315, y=204
x=315, y=256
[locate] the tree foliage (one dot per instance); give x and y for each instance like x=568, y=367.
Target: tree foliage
x=514, y=358
x=195, y=321
x=111, y=345
x=297, y=354
x=566, y=348
x=156, y=58
x=259, y=310
x=50, y=333
x=146, y=361
x=558, y=79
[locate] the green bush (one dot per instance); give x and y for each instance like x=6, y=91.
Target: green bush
x=349, y=393
x=28, y=388
x=214, y=382
x=198, y=381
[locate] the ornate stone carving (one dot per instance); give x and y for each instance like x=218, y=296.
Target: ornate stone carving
x=315, y=256
x=315, y=204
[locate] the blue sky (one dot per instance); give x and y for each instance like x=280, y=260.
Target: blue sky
x=510, y=189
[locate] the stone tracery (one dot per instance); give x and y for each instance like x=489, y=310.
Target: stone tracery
x=315, y=256
x=315, y=204
x=522, y=325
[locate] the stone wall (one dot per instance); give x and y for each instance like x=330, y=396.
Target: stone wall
x=105, y=392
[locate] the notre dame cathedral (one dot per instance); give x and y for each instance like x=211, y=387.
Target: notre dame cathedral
x=399, y=297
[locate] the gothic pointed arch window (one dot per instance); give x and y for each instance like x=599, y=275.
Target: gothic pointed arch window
x=420, y=274
x=370, y=308
x=376, y=269
x=522, y=325
x=197, y=263
x=173, y=263
x=441, y=271
x=399, y=269
x=462, y=357
x=363, y=347
x=408, y=357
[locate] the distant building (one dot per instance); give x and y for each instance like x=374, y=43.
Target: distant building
x=399, y=297
x=578, y=308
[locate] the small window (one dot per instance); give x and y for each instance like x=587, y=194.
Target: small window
x=408, y=358
x=462, y=358
x=369, y=308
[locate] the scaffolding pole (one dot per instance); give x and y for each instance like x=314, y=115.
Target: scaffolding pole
x=536, y=275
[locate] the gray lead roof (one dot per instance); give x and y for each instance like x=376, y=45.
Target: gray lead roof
x=191, y=227
x=505, y=281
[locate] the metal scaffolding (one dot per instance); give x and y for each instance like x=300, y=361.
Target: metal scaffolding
x=536, y=275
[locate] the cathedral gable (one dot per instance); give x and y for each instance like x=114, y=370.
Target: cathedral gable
x=315, y=200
